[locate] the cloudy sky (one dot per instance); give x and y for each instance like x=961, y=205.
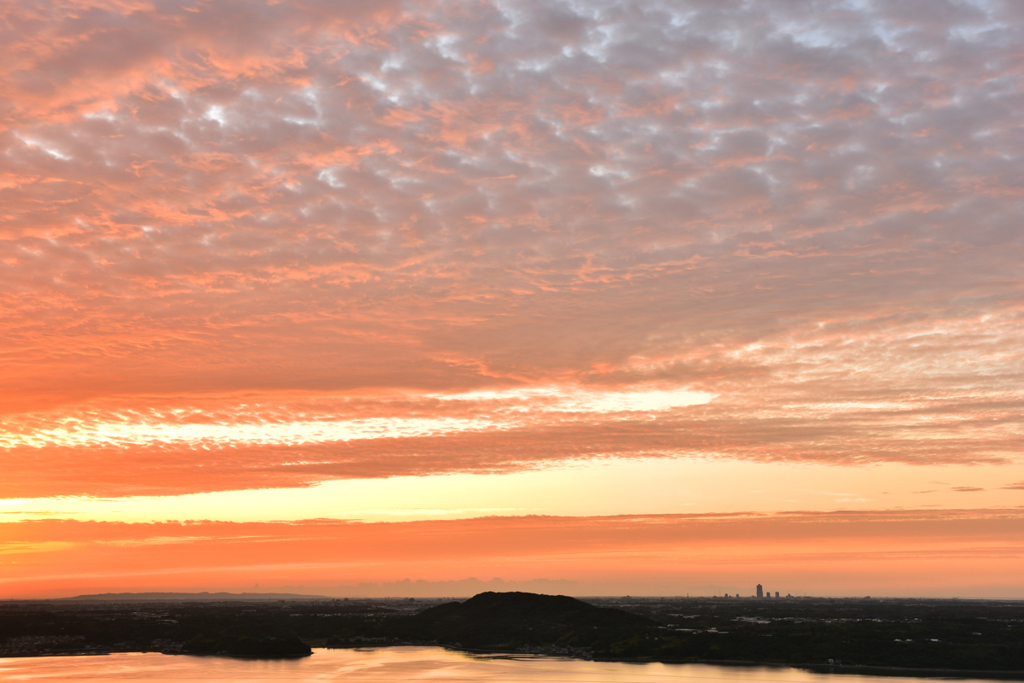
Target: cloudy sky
x=646, y=296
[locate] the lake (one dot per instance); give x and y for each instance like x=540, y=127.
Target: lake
x=404, y=664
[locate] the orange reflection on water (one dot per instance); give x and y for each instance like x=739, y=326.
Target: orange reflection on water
x=405, y=664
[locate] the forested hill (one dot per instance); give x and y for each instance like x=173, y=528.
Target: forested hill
x=514, y=620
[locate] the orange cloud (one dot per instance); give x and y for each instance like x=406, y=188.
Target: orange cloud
x=156, y=446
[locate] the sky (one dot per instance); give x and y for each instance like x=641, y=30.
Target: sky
x=417, y=298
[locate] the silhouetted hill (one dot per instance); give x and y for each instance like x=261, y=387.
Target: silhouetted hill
x=514, y=620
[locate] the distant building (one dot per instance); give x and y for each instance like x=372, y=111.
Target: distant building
x=776, y=593
x=760, y=591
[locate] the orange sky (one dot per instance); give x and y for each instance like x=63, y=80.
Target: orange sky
x=631, y=297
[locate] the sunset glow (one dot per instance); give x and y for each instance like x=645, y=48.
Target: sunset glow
x=624, y=297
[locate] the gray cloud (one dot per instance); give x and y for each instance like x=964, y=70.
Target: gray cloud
x=810, y=211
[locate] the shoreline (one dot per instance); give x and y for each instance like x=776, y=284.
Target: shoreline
x=837, y=669
x=856, y=669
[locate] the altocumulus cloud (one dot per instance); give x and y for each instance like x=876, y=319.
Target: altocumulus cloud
x=285, y=242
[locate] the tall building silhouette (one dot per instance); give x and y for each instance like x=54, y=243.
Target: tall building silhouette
x=760, y=591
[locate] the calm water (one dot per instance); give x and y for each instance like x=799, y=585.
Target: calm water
x=397, y=664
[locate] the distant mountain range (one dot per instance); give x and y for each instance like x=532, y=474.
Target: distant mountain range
x=194, y=597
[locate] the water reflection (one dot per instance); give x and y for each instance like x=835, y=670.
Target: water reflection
x=405, y=664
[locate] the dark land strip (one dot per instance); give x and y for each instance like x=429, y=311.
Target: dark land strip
x=978, y=638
